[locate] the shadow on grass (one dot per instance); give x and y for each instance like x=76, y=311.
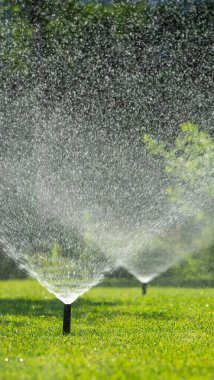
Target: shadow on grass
x=25, y=307
x=52, y=307
x=149, y=315
x=8, y=322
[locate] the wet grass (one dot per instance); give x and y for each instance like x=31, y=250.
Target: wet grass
x=116, y=334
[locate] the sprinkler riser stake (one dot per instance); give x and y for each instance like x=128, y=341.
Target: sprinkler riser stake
x=144, y=289
x=67, y=319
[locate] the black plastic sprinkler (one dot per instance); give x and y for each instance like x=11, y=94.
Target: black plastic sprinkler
x=144, y=289
x=67, y=319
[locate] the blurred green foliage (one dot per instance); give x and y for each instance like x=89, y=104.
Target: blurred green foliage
x=15, y=41
x=189, y=162
x=30, y=29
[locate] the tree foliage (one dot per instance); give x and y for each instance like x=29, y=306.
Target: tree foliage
x=190, y=162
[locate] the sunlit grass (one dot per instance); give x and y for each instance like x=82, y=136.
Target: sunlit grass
x=116, y=334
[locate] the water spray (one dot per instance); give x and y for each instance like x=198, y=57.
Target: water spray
x=83, y=184
x=67, y=319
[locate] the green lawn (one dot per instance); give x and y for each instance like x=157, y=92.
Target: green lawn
x=116, y=334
